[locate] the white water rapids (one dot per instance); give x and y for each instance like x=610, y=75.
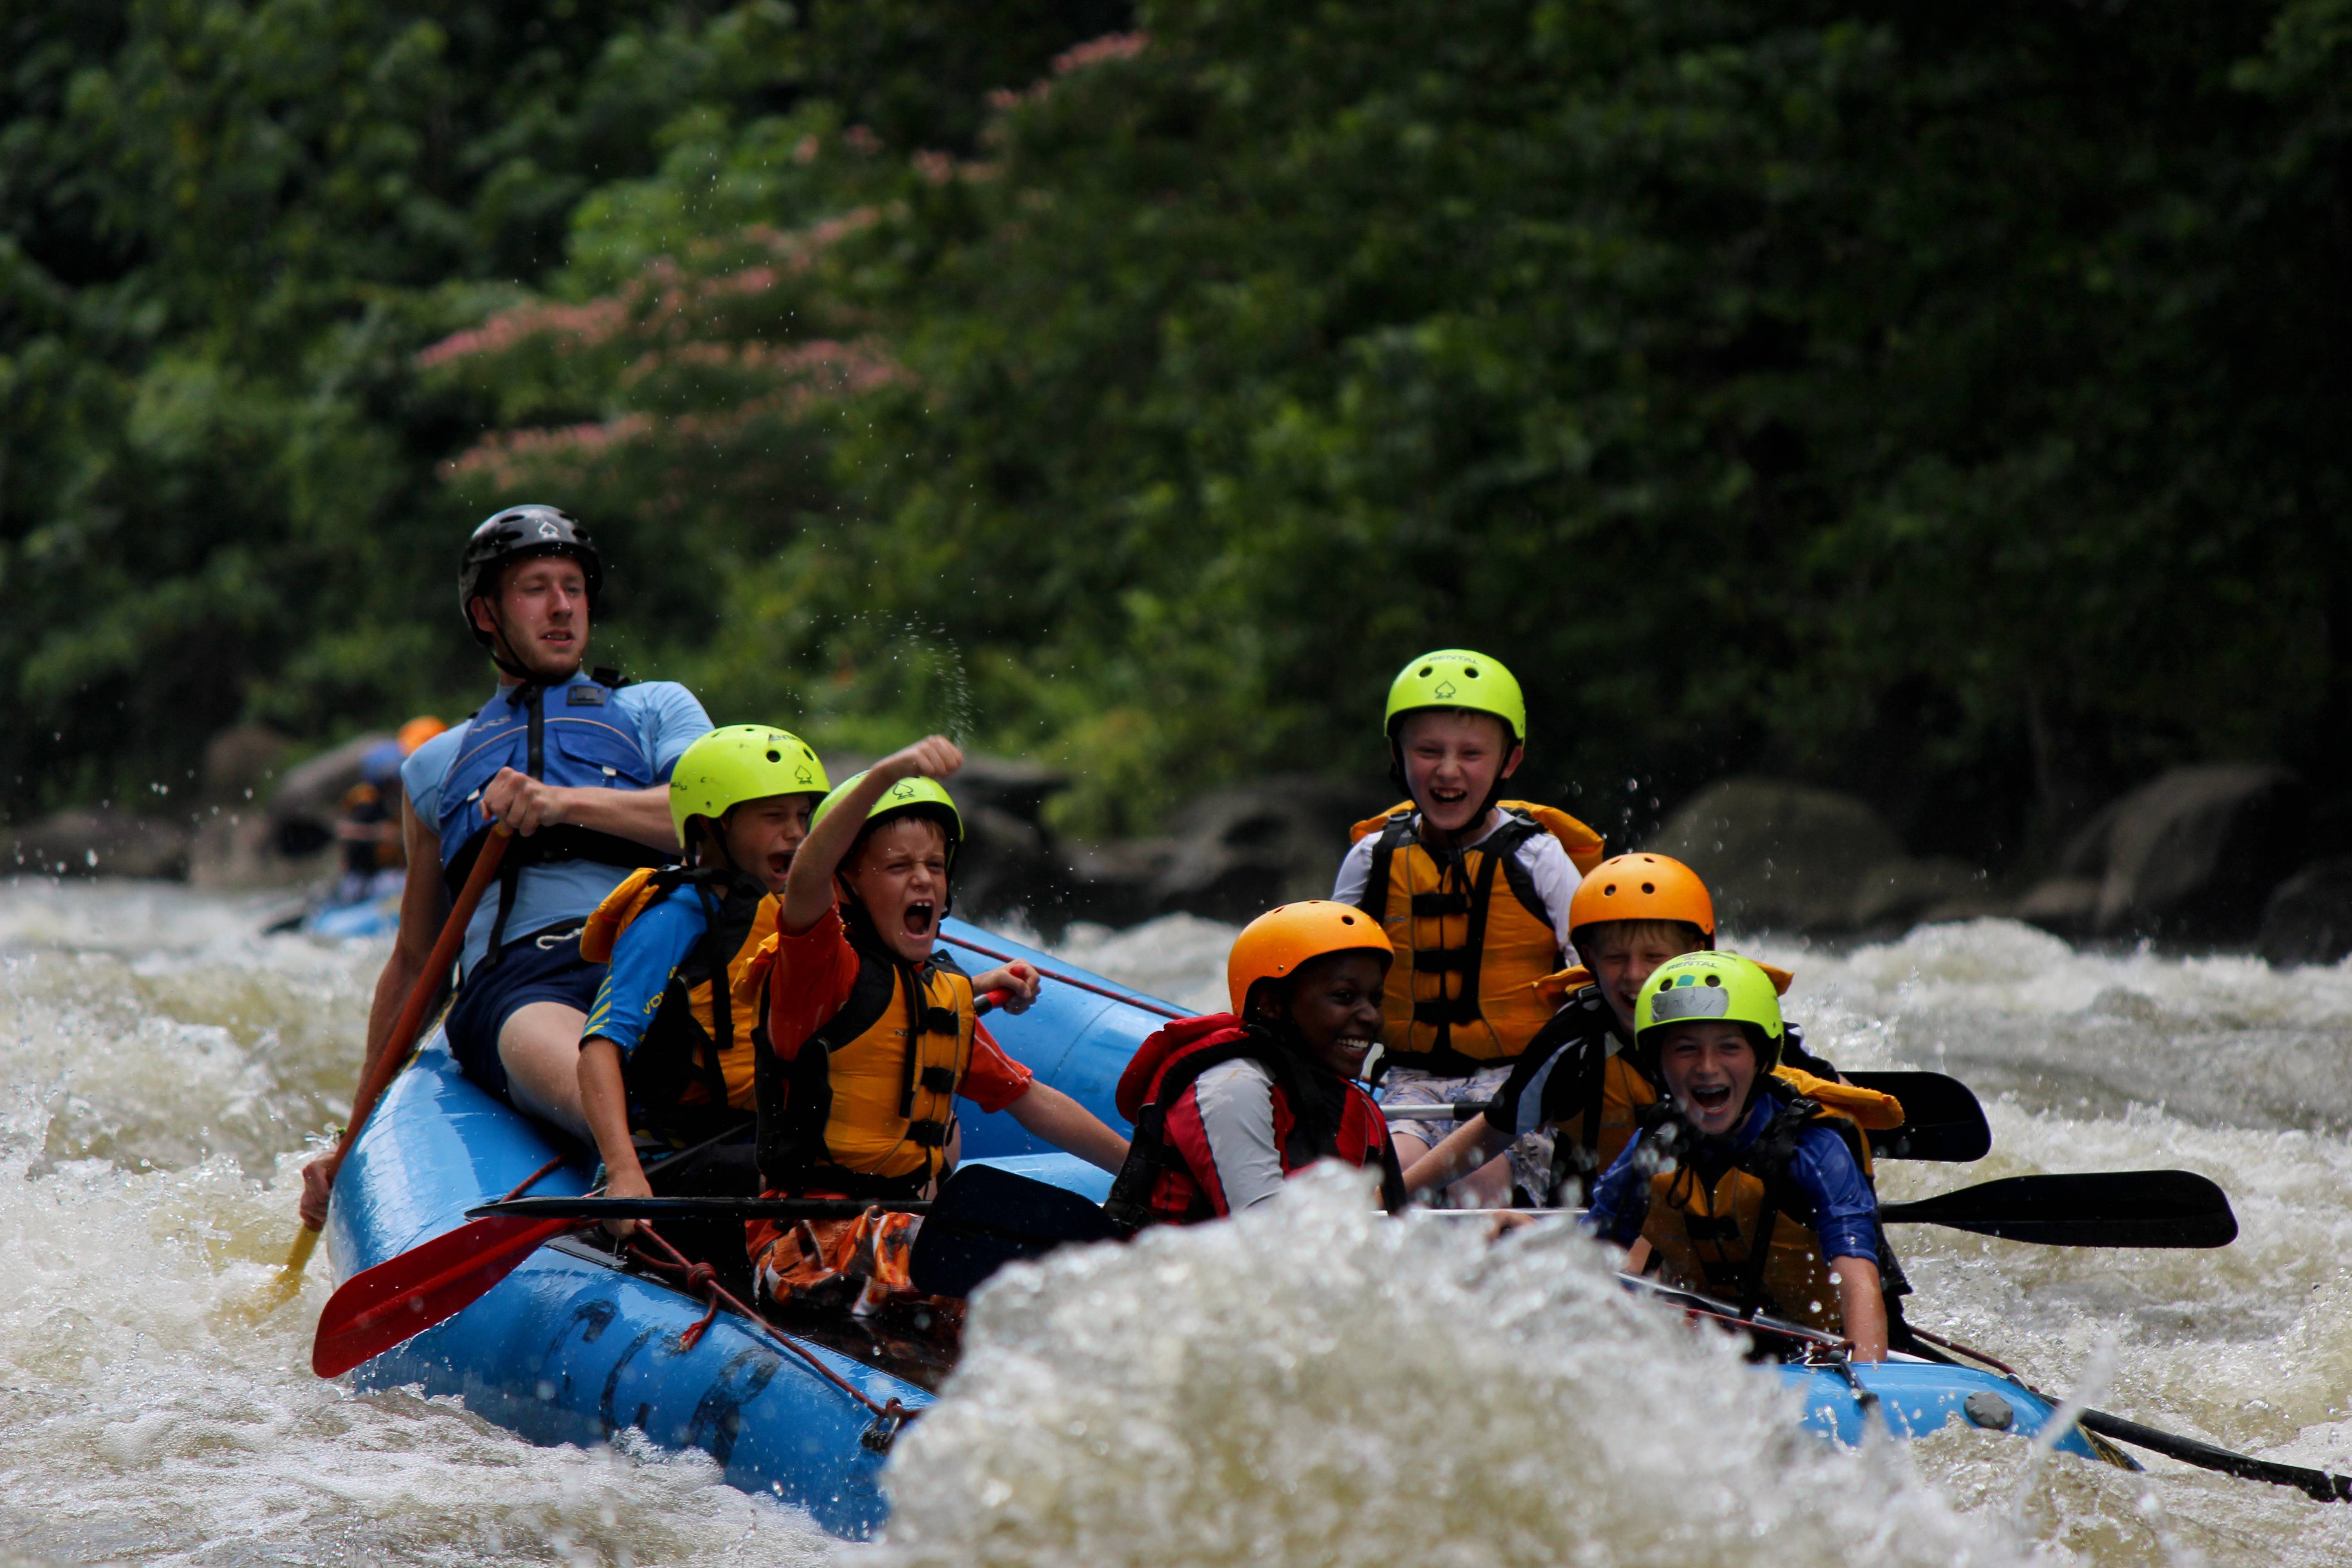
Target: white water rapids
x=1306, y=1386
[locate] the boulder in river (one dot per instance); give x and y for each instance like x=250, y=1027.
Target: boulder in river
x=2194, y=852
x=102, y=841
x=1778, y=854
x=1236, y=852
x=2308, y=918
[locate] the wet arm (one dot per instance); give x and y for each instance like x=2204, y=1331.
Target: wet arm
x=1054, y=1116
x=1466, y=1148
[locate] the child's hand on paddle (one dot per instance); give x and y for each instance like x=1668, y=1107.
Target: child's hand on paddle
x=1017, y=980
x=932, y=757
x=625, y=1184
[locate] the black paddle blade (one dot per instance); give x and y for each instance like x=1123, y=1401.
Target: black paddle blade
x=985, y=1218
x=2111, y=1208
x=1942, y=1120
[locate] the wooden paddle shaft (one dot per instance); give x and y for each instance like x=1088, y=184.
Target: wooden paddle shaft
x=428, y=984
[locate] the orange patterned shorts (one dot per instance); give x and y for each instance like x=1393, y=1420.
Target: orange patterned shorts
x=860, y=1264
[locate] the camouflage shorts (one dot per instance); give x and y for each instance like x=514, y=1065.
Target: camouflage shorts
x=1530, y=1156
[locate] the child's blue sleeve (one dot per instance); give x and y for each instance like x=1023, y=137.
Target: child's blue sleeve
x=1617, y=1211
x=1845, y=1209
x=653, y=947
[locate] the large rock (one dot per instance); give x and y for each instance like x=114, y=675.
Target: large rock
x=2194, y=853
x=1010, y=860
x=1795, y=857
x=310, y=796
x=1236, y=852
x=101, y=842
x=2308, y=918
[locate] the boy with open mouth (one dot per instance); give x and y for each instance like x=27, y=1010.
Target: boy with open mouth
x=871, y=1036
x=1738, y=1185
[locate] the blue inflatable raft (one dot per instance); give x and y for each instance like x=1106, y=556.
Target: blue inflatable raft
x=571, y=1349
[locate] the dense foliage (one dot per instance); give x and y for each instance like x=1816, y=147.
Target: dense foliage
x=1939, y=400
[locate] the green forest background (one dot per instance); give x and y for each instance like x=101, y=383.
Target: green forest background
x=1945, y=401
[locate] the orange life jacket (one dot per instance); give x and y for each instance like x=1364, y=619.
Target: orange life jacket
x=1461, y=995
x=690, y=1077
x=1706, y=1235
x=865, y=1107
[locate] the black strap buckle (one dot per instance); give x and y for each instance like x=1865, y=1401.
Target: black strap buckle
x=1426, y=905
x=938, y=1080
x=930, y=1134
x=941, y=1021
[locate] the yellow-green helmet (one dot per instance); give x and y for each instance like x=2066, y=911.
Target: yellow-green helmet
x=741, y=762
x=918, y=797
x=1709, y=986
x=1458, y=678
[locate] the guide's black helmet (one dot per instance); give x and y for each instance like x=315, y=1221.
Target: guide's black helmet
x=517, y=533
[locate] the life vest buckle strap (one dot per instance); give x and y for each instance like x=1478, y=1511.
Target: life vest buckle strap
x=1444, y=961
x=941, y=1021
x=1446, y=1010
x=938, y=1079
x=1428, y=905
x=930, y=1134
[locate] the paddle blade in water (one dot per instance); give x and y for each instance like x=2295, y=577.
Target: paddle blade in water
x=985, y=1218
x=1942, y=1120
x=2112, y=1208
x=403, y=1297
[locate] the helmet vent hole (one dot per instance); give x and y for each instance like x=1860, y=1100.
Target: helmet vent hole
x=1471, y=670
x=1609, y=891
x=1713, y=979
x=1346, y=919
x=775, y=756
x=1649, y=886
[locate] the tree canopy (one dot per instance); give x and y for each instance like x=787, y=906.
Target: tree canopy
x=1938, y=400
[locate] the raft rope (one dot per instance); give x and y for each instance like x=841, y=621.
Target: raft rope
x=1071, y=980
x=534, y=1179
x=702, y=1280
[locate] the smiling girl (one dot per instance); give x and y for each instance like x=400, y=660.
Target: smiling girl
x=1228, y=1107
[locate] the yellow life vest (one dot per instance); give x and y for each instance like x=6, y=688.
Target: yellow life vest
x=1705, y=1235
x=1460, y=996
x=680, y=1086
x=866, y=1106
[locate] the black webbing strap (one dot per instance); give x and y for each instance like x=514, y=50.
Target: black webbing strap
x=510, y=869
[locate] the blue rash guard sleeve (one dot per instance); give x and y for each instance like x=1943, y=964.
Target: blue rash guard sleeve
x=1840, y=1207
x=1845, y=1210
x=1617, y=1212
x=644, y=958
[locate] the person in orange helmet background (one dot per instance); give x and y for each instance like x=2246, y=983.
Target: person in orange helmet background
x=375, y=862
x=1579, y=1077
x=1227, y=1108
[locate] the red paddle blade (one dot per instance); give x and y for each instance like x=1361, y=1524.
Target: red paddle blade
x=402, y=1297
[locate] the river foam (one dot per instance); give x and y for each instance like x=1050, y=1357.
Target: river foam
x=1307, y=1386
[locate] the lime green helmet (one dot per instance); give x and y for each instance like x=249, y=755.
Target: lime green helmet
x=742, y=762
x=1458, y=678
x=1710, y=987
x=914, y=797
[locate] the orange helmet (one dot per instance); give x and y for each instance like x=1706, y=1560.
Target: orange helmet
x=418, y=731
x=1274, y=945
x=1641, y=887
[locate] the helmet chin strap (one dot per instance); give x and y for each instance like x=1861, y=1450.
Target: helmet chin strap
x=502, y=653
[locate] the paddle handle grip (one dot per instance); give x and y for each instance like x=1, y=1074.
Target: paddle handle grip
x=989, y=1001
x=428, y=982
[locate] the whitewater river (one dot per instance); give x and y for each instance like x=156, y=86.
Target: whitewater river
x=1306, y=1386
